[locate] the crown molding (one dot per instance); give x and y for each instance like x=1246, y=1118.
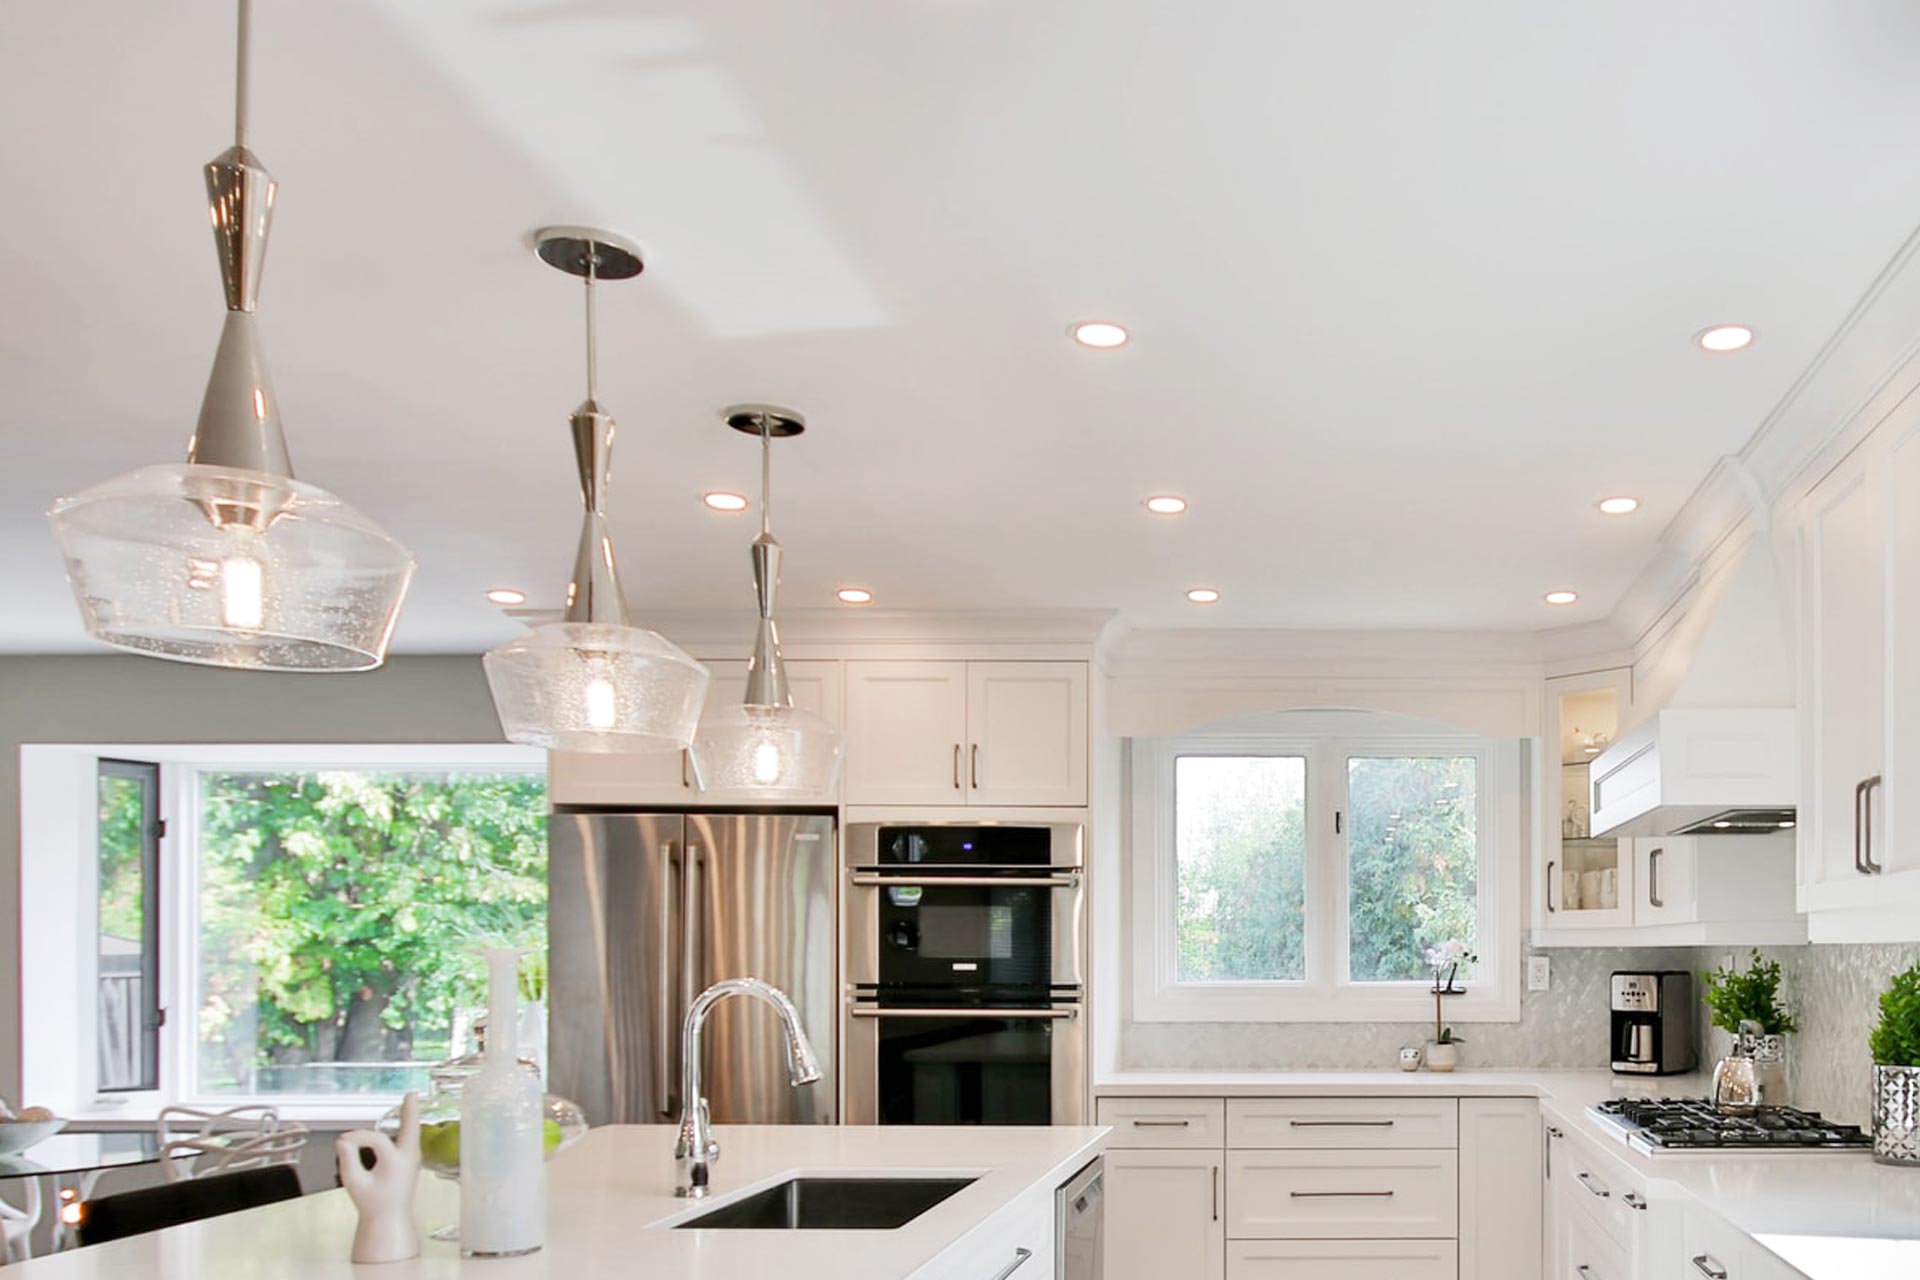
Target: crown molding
x=723, y=632
x=1868, y=365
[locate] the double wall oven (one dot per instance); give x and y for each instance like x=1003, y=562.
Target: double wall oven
x=966, y=969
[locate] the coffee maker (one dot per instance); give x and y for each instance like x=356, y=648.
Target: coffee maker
x=1653, y=1017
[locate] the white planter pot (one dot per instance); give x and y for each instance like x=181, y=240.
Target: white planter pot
x=1442, y=1057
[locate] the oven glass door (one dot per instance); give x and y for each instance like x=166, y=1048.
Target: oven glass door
x=964, y=939
x=967, y=1069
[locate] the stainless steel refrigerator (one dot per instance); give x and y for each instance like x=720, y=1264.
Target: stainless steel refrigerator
x=645, y=911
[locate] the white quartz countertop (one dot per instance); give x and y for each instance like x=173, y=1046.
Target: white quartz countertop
x=1830, y=1215
x=611, y=1209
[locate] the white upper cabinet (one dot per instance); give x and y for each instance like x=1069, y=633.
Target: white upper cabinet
x=1027, y=733
x=906, y=732
x=1859, y=606
x=983, y=733
x=665, y=778
x=1580, y=883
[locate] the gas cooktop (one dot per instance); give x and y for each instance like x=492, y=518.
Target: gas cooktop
x=1692, y=1124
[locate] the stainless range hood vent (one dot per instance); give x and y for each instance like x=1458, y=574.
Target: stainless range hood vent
x=1742, y=822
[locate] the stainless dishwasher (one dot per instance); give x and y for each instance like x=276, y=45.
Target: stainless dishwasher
x=1077, y=1214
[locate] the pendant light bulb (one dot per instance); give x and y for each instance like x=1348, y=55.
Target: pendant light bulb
x=764, y=746
x=592, y=681
x=227, y=560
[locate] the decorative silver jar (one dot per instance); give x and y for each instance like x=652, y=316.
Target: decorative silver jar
x=1769, y=1054
x=1896, y=1115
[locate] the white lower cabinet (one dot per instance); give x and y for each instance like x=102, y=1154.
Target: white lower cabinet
x=1589, y=1253
x=1342, y=1195
x=1163, y=1219
x=1341, y=1260
x=1501, y=1188
x=1713, y=1250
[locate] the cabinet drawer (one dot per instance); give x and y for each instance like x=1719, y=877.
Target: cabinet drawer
x=1341, y=1260
x=1592, y=1254
x=1343, y=1123
x=1162, y=1122
x=1718, y=1248
x=1342, y=1195
x=1601, y=1189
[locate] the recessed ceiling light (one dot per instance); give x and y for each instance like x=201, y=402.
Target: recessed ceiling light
x=1562, y=597
x=720, y=500
x=507, y=596
x=1721, y=338
x=853, y=595
x=1619, y=506
x=1166, y=504
x=1204, y=595
x=1103, y=334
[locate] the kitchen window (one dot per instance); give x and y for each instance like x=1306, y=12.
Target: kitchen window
x=281, y=923
x=1306, y=877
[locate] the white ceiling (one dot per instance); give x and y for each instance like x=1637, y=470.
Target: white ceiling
x=1411, y=284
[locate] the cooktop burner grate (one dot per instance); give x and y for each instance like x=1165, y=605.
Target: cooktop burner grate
x=1692, y=1123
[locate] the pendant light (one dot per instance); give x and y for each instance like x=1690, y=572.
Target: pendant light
x=593, y=682
x=765, y=745
x=227, y=560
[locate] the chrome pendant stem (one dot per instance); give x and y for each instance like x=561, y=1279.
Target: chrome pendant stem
x=239, y=414
x=594, y=594
x=766, y=671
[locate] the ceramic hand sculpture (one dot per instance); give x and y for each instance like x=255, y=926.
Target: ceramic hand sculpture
x=383, y=1195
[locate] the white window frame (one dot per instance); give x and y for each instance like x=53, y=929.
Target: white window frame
x=60, y=805
x=1327, y=994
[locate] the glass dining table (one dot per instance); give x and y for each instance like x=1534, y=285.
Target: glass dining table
x=69, y=1164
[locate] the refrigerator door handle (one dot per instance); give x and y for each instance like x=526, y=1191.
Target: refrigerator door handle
x=663, y=1040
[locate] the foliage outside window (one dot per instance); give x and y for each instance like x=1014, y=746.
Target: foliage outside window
x=1311, y=877
x=336, y=913
x=127, y=832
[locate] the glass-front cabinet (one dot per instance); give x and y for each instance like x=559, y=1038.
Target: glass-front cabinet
x=1581, y=882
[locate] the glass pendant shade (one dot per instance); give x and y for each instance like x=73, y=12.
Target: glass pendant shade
x=596, y=686
x=593, y=681
x=764, y=745
x=226, y=560
x=230, y=567
x=780, y=753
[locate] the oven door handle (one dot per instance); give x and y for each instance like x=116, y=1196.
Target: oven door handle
x=1066, y=880
x=875, y=1011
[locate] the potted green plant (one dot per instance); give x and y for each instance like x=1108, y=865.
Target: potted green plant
x=1747, y=1005
x=1443, y=1052
x=1896, y=1072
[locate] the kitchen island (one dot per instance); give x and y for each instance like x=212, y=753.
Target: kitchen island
x=611, y=1211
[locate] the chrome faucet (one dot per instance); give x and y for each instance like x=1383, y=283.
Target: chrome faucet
x=695, y=1150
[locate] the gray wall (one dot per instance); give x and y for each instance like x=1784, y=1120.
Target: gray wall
x=110, y=698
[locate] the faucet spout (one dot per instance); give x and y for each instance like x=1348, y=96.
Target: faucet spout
x=695, y=1150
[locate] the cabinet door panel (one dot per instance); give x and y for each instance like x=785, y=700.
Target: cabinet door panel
x=1897, y=843
x=1027, y=733
x=906, y=732
x=1665, y=870
x=1163, y=1216
x=1846, y=677
x=1501, y=1193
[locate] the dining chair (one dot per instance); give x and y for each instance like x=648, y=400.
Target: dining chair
x=17, y=1224
x=198, y=1144
x=132, y=1213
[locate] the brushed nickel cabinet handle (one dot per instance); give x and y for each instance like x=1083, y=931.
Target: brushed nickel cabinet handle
x=1653, y=878
x=1341, y=1195
x=1216, y=1193
x=1633, y=1201
x=1859, y=790
x=1708, y=1265
x=1020, y=1257
x=956, y=766
x=1555, y=1133
x=1341, y=1124
x=1870, y=786
x=973, y=766
x=1551, y=864
x=1161, y=1124
x=685, y=781
x=1593, y=1185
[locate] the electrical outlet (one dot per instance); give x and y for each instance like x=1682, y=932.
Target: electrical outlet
x=1539, y=973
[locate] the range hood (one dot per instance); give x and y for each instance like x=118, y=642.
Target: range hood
x=1722, y=755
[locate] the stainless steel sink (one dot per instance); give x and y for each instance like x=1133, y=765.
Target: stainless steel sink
x=830, y=1204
